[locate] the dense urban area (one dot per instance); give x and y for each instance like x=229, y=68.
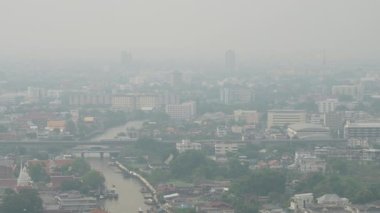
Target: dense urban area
x=190, y=106
x=191, y=141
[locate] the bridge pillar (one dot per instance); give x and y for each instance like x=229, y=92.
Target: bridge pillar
x=101, y=155
x=82, y=154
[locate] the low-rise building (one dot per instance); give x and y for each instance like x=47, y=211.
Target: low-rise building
x=331, y=203
x=370, y=131
x=316, y=118
x=280, y=118
x=221, y=131
x=247, y=116
x=332, y=200
x=56, y=124
x=224, y=148
x=301, y=201
x=75, y=202
x=215, y=207
x=308, y=131
x=186, y=145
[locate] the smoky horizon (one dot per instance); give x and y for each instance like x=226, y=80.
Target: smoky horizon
x=290, y=30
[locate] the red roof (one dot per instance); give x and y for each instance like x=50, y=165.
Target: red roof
x=8, y=183
x=58, y=180
x=63, y=162
x=47, y=163
x=98, y=211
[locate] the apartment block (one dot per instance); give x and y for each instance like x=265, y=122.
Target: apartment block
x=184, y=111
x=281, y=118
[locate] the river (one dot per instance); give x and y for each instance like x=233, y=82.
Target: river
x=112, y=132
x=130, y=198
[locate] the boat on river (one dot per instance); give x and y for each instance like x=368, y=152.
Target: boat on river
x=149, y=201
x=144, y=190
x=112, y=193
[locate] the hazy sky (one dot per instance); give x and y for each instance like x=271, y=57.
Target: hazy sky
x=190, y=28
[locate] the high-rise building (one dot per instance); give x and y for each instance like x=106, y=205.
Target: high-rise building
x=355, y=91
x=236, y=95
x=334, y=120
x=176, y=79
x=125, y=58
x=124, y=102
x=135, y=101
x=230, y=61
x=86, y=98
x=327, y=105
x=35, y=94
x=169, y=97
x=184, y=111
x=147, y=101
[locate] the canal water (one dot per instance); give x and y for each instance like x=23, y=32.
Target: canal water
x=130, y=197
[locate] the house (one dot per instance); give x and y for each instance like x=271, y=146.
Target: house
x=308, y=131
x=301, y=201
x=215, y=207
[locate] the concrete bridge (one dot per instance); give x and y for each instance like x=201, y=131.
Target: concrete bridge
x=47, y=142
x=99, y=151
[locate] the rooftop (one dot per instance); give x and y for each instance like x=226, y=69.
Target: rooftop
x=307, y=126
x=363, y=125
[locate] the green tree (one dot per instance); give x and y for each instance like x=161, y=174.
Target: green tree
x=185, y=210
x=186, y=163
x=26, y=200
x=40, y=155
x=236, y=169
x=71, y=127
x=261, y=182
x=345, y=98
x=80, y=167
x=38, y=173
x=3, y=128
x=68, y=185
x=93, y=179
